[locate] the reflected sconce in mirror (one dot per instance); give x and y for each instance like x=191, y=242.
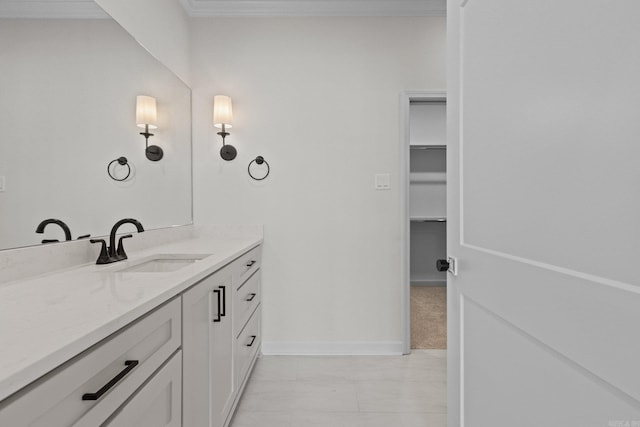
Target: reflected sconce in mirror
x=222, y=117
x=146, y=118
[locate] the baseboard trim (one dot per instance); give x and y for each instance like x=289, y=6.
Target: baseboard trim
x=331, y=348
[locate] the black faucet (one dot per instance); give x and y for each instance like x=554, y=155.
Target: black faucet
x=112, y=254
x=65, y=228
x=119, y=253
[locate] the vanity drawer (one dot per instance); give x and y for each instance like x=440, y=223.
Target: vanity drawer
x=245, y=301
x=158, y=403
x=246, y=265
x=111, y=370
x=247, y=345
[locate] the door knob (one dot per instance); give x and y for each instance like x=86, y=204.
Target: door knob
x=442, y=265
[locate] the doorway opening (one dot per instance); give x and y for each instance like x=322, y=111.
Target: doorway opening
x=424, y=220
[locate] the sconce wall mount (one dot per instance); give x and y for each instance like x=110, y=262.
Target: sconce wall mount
x=227, y=152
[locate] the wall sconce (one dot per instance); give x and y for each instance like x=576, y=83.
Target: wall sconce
x=222, y=116
x=146, y=118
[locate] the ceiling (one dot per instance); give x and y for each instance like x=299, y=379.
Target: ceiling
x=211, y=8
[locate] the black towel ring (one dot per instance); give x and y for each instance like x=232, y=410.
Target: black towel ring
x=259, y=160
x=122, y=161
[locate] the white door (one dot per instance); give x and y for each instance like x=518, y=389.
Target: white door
x=544, y=213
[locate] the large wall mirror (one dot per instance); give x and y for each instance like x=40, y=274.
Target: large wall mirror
x=68, y=86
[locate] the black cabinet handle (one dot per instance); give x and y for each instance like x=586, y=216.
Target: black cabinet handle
x=253, y=339
x=217, y=292
x=224, y=301
x=250, y=263
x=130, y=364
x=250, y=297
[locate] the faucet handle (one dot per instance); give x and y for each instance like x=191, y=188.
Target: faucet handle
x=120, y=253
x=50, y=241
x=103, y=258
x=84, y=236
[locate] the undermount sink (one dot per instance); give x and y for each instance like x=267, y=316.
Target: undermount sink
x=164, y=263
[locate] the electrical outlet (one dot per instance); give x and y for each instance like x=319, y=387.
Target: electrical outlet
x=382, y=181
x=2, y=181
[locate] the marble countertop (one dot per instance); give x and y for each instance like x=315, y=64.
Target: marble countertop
x=47, y=320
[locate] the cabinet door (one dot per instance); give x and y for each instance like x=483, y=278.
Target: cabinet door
x=209, y=386
x=158, y=403
x=221, y=350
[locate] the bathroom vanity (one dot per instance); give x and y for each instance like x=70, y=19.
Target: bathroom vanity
x=166, y=338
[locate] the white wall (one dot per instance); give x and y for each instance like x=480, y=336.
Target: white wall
x=319, y=99
x=161, y=26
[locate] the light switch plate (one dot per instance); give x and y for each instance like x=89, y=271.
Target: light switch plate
x=382, y=181
x=2, y=184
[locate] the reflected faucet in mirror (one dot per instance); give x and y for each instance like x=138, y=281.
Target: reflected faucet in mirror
x=65, y=228
x=112, y=253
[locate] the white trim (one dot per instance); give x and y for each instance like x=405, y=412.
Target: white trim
x=211, y=8
x=52, y=10
x=331, y=348
x=461, y=309
x=405, y=100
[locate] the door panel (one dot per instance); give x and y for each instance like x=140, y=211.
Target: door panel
x=551, y=104
x=495, y=359
x=542, y=146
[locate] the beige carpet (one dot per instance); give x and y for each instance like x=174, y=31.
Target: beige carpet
x=428, y=317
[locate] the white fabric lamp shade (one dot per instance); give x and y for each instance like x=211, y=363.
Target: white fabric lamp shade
x=146, y=112
x=222, y=111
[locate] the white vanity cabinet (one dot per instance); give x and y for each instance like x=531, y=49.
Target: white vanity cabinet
x=89, y=389
x=183, y=363
x=220, y=317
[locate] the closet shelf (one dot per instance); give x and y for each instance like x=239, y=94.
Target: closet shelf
x=428, y=219
x=428, y=147
x=427, y=177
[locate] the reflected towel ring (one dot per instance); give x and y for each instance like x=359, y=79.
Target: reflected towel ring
x=122, y=161
x=259, y=160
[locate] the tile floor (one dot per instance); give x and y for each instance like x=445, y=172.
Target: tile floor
x=346, y=391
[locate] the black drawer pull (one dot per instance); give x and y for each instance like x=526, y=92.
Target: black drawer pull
x=218, y=318
x=224, y=301
x=250, y=297
x=250, y=263
x=253, y=339
x=130, y=364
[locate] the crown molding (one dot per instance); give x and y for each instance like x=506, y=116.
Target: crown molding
x=213, y=8
x=61, y=9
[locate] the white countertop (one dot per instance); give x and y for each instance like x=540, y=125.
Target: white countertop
x=47, y=320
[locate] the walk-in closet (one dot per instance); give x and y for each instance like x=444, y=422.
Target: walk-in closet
x=428, y=223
